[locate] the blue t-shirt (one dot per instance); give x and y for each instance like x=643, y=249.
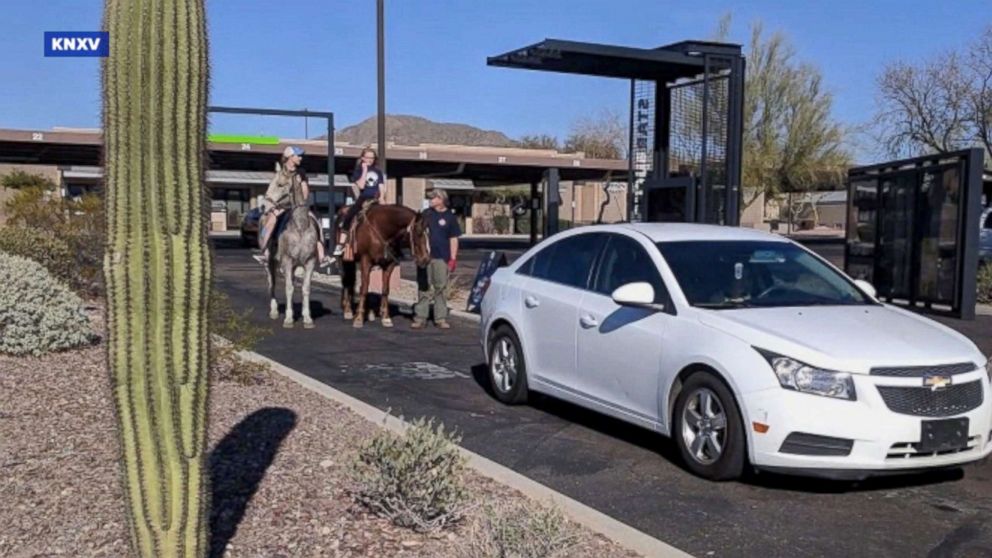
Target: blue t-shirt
x=373, y=180
x=442, y=227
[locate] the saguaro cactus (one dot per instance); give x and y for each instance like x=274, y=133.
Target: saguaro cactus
x=157, y=265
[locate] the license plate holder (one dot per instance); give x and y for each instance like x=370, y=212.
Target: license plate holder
x=943, y=435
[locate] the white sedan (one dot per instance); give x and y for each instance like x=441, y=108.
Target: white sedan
x=744, y=347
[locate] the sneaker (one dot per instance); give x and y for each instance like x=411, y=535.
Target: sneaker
x=326, y=262
x=261, y=258
x=338, y=250
x=417, y=324
x=442, y=324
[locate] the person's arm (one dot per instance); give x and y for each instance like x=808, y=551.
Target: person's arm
x=454, y=253
x=271, y=196
x=305, y=188
x=382, y=186
x=358, y=178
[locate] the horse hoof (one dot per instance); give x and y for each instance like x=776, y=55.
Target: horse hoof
x=287, y=325
x=349, y=316
x=387, y=323
x=308, y=325
x=358, y=324
x=274, y=315
x=371, y=318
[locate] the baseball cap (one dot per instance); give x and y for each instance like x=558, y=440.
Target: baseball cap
x=292, y=150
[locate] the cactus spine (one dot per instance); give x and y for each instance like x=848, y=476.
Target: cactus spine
x=157, y=265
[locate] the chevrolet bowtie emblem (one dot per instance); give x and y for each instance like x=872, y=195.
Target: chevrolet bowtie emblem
x=936, y=382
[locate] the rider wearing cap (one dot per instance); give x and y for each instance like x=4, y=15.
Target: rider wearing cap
x=278, y=199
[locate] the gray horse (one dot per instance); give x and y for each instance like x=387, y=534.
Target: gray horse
x=296, y=247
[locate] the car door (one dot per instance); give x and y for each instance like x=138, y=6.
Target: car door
x=558, y=277
x=620, y=348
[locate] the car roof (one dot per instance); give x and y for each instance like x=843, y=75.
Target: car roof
x=676, y=232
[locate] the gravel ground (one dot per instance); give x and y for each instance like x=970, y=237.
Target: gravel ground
x=278, y=463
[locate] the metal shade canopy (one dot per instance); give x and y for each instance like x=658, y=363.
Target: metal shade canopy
x=686, y=121
x=664, y=64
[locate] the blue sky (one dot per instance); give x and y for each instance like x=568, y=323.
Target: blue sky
x=320, y=54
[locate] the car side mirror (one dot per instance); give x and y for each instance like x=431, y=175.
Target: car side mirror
x=866, y=287
x=637, y=295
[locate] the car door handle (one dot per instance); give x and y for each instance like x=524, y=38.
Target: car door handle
x=532, y=302
x=588, y=322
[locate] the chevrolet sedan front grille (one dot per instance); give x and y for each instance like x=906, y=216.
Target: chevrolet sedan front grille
x=921, y=371
x=926, y=402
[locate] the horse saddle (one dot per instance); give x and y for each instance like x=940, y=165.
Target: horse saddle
x=349, y=249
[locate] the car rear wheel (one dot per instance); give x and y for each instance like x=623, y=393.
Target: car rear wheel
x=708, y=428
x=507, y=369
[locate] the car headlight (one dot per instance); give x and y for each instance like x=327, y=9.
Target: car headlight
x=799, y=376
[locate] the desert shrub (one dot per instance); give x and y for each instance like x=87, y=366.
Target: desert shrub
x=519, y=530
x=239, y=333
x=36, y=207
x=44, y=248
x=18, y=179
x=501, y=224
x=985, y=284
x=38, y=314
x=414, y=480
x=79, y=223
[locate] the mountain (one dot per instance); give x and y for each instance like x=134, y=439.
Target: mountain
x=413, y=130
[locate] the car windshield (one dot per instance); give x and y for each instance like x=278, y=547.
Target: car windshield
x=752, y=274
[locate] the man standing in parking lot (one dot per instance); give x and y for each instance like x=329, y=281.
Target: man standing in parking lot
x=432, y=281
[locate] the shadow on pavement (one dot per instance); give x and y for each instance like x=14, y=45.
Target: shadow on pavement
x=666, y=448
x=237, y=466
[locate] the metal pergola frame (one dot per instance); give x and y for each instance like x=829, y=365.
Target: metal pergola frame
x=678, y=62
x=329, y=118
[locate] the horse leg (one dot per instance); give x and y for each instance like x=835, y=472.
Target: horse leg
x=307, y=274
x=363, y=292
x=387, y=273
x=270, y=276
x=347, y=288
x=287, y=270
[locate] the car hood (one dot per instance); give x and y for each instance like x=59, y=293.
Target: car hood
x=848, y=338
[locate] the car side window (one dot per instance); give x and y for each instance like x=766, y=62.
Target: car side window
x=527, y=268
x=625, y=261
x=571, y=260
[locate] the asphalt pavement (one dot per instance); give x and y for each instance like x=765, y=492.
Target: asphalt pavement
x=624, y=471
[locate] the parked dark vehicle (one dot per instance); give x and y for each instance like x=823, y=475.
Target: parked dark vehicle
x=249, y=227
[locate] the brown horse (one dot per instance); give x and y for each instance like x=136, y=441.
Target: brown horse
x=377, y=242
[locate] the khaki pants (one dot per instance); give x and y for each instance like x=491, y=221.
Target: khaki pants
x=432, y=281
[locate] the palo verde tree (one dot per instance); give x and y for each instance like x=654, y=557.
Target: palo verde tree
x=791, y=141
x=157, y=265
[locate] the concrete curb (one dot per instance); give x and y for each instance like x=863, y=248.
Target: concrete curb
x=578, y=512
x=335, y=282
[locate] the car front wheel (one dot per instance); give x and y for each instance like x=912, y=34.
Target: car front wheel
x=708, y=428
x=507, y=369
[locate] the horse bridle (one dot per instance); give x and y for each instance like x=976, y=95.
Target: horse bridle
x=410, y=232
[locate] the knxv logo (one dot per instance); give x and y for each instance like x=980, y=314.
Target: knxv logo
x=77, y=43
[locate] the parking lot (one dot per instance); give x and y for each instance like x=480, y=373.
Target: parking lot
x=621, y=470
